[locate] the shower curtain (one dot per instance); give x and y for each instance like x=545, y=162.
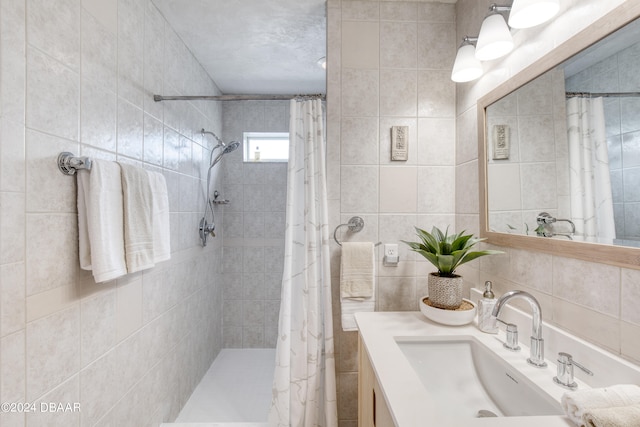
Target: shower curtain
x=590, y=180
x=304, y=387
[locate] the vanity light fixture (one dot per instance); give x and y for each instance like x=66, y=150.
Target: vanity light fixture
x=529, y=13
x=466, y=66
x=494, y=40
x=322, y=62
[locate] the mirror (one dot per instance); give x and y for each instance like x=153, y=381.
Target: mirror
x=559, y=148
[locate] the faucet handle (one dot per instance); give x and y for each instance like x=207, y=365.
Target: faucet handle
x=564, y=376
x=511, y=330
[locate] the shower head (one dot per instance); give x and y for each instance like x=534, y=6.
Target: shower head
x=232, y=146
x=226, y=148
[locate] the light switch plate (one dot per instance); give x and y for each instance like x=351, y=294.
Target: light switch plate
x=399, y=143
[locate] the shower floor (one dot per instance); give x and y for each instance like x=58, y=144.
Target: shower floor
x=235, y=389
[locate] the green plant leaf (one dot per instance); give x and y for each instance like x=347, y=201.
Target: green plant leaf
x=447, y=251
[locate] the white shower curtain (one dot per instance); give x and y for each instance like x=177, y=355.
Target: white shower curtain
x=304, y=387
x=591, y=199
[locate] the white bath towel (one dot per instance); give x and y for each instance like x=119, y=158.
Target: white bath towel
x=160, y=213
x=577, y=403
x=138, y=218
x=357, y=282
x=100, y=221
x=619, y=416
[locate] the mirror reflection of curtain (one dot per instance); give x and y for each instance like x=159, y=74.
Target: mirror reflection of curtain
x=304, y=386
x=591, y=198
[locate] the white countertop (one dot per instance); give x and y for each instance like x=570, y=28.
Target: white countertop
x=409, y=401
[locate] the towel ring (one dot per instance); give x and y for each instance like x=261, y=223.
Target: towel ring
x=355, y=225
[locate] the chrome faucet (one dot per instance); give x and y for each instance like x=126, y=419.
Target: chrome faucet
x=536, y=357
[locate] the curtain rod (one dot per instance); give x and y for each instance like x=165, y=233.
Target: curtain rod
x=602, y=94
x=159, y=98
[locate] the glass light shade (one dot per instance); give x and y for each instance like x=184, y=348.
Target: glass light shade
x=494, y=39
x=466, y=67
x=529, y=13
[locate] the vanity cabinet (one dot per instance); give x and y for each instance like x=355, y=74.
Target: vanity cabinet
x=372, y=407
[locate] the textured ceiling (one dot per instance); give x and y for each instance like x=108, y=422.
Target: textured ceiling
x=254, y=46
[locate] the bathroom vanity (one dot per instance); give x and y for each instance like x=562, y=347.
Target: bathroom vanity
x=414, y=372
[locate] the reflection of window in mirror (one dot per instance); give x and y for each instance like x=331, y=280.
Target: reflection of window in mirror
x=266, y=146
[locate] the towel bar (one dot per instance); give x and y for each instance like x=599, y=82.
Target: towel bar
x=355, y=225
x=68, y=163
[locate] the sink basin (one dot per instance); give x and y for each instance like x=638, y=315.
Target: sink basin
x=466, y=379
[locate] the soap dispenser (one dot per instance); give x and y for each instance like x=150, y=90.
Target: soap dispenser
x=485, y=307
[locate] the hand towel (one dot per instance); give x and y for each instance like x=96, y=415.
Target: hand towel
x=577, y=403
x=350, y=307
x=138, y=228
x=617, y=416
x=160, y=214
x=356, y=270
x=357, y=282
x=100, y=222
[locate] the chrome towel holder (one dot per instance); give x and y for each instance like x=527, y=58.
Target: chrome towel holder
x=355, y=225
x=68, y=163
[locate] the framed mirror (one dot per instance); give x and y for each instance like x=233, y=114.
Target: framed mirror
x=559, y=148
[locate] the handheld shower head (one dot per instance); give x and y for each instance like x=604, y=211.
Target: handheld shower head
x=232, y=146
x=226, y=148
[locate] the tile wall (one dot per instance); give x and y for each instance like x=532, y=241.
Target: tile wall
x=537, y=159
x=592, y=300
x=388, y=65
x=623, y=132
x=78, y=75
x=254, y=223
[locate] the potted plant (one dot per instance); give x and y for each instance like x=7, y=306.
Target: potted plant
x=446, y=252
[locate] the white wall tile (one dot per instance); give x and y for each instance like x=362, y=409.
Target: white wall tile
x=51, y=234
x=359, y=141
x=98, y=329
x=398, y=92
x=360, y=92
x=398, y=44
x=54, y=27
x=12, y=225
x=435, y=94
x=53, y=351
x=359, y=189
x=434, y=141
x=12, y=367
x=398, y=189
x=52, y=96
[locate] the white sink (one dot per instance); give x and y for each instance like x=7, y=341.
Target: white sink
x=467, y=379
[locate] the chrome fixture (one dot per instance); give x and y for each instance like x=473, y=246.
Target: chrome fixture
x=495, y=40
x=216, y=194
x=355, y=225
x=564, y=377
x=466, y=66
x=69, y=164
x=536, y=356
x=544, y=219
x=511, y=336
x=206, y=228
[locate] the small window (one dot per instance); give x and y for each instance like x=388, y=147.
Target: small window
x=266, y=146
